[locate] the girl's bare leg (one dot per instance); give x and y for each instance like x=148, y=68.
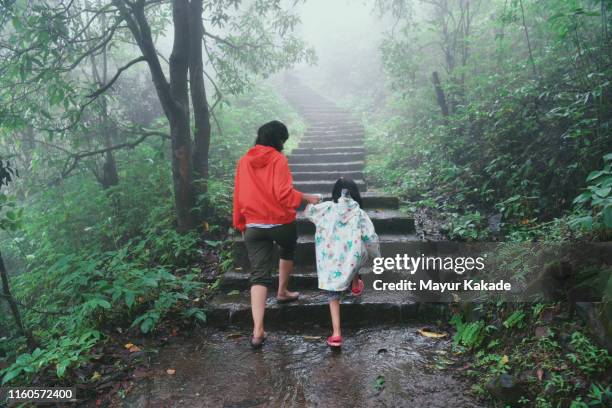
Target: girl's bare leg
x=334, y=309
x=355, y=283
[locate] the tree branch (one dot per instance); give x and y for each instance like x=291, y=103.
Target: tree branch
x=110, y=83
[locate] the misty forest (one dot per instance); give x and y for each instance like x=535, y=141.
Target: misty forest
x=121, y=122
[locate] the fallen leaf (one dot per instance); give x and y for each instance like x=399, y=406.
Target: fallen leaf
x=233, y=293
x=311, y=338
x=98, y=402
x=95, y=377
x=170, y=371
x=540, y=374
x=134, y=349
x=129, y=345
x=504, y=360
x=432, y=334
x=239, y=268
x=234, y=335
x=174, y=332
x=205, y=226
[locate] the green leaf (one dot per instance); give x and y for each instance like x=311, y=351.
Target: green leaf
x=594, y=174
x=11, y=375
x=582, y=198
x=129, y=299
x=603, y=192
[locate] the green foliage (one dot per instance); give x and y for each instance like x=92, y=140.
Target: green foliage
x=597, y=198
x=527, y=122
x=469, y=334
x=587, y=357
x=515, y=319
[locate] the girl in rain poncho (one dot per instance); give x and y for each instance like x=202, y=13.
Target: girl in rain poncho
x=344, y=239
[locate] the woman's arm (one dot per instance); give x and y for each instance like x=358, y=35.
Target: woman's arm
x=288, y=196
x=237, y=218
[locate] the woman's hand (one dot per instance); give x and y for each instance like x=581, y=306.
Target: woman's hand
x=312, y=198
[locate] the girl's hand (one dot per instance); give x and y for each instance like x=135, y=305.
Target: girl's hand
x=312, y=198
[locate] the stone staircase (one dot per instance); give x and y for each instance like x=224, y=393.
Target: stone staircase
x=333, y=146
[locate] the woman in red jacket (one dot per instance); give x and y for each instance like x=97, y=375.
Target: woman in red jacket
x=265, y=204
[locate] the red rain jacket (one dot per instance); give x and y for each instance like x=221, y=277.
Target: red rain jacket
x=263, y=189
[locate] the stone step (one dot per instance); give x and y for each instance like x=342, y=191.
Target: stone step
x=322, y=109
x=326, y=175
x=326, y=158
x=333, y=136
x=322, y=128
x=390, y=245
x=315, y=143
x=331, y=141
x=323, y=186
x=385, y=222
x=348, y=166
x=323, y=150
x=312, y=309
x=343, y=134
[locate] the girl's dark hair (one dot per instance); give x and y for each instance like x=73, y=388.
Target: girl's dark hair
x=273, y=134
x=351, y=186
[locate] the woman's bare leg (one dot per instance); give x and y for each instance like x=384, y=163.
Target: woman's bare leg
x=334, y=309
x=284, y=271
x=259, y=293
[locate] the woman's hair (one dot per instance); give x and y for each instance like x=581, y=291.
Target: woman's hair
x=350, y=186
x=273, y=134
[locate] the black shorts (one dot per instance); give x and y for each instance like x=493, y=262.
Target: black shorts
x=260, y=247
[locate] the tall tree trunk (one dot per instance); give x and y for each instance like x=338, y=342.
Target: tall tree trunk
x=182, y=165
x=173, y=95
x=440, y=93
x=198, y=97
x=6, y=291
x=109, y=176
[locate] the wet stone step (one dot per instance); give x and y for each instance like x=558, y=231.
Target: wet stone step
x=391, y=245
x=326, y=158
x=323, y=186
x=302, y=279
x=329, y=130
x=323, y=150
x=385, y=222
x=325, y=125
x=348, y=166
x=326, y=175
x=312, y=309
x=312, y=143
x=355, y=138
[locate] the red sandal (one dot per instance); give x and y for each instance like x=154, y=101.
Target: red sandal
x=357, y=291
x=334, y=341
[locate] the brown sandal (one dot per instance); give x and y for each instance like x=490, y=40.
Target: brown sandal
x=288, y=299
x=258, y=342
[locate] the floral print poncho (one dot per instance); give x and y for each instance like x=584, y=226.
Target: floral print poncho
x=345, y=237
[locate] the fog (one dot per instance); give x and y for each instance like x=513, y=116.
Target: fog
x=345, y=36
